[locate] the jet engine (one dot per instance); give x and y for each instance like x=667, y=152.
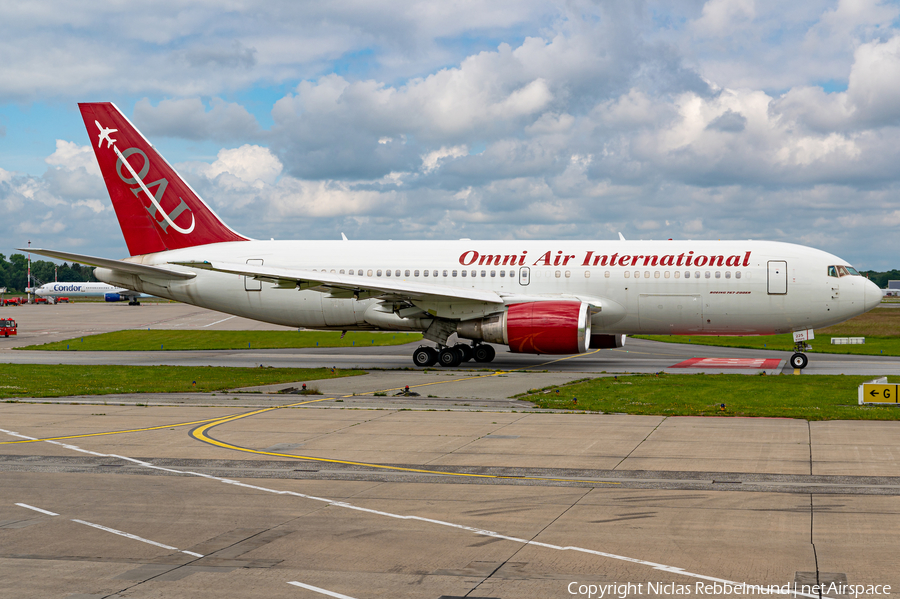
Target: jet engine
x=112, y=297
x=551, y=327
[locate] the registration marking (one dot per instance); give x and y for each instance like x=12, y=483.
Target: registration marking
x=758, y=363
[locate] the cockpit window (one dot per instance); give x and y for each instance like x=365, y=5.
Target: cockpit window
x=842, y=271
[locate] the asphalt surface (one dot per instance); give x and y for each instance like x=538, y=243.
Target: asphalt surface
x=461, y=491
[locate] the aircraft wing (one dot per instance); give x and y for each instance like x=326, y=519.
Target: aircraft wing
x=310, y=279
x=119, y=265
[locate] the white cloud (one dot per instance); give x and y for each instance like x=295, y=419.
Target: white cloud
x=721, y=17
x=71, y=156
x=248, y=163
x=433, y=159
x=188, y=119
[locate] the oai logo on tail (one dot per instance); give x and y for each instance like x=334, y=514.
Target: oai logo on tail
x=138, y=178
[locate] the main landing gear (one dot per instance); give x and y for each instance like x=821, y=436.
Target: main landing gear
x=799, y=359
x=425, y=356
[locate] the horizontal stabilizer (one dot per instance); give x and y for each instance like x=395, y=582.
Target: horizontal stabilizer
x=311, y=278
x=119, y=265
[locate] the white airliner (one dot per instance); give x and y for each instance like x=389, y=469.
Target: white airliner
x=539, y=297
x=109, y=292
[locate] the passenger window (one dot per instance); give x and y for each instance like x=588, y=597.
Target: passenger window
x=696, y=274
x=378, y=273
x=737, y=275
x=832, y=271
x=677, y=274
x=474, y=273
x=637, y=274
x=464, y=273
x=727, y=274
x=706, y=274
x=606, y=274
x=369, y=272
x=445, y=273
x=718, y=275
x=568, y=273
x=687, y=274
x=332, y=271
x=415, y=273
x=666, y=274
x=512, y=273
x=406, y=273
x=557, y=274
x=387, y=273
x=656, y=274
x=493, y=273
x=627, y=274
x=587, y=274
x=342, y=271
x=483, y=273
x=647, y=274
x=434, y=273
x=454, y=273
x=502, y=273
x=425, y=273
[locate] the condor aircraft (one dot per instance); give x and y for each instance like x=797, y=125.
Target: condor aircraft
x=538, y=297
x=108, y=292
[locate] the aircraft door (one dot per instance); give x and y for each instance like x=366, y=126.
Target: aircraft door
x=251, y=284
x=778, y=275
x=524, y=276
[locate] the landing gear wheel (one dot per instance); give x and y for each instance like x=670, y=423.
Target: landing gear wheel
x=465, y=351
x=449, y=356
x=799, y=361
x=425, y=356
x=484, y=353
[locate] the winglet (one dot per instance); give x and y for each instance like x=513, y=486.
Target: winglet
x=621, y=237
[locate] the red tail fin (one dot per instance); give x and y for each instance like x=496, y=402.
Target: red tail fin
x=156, y=208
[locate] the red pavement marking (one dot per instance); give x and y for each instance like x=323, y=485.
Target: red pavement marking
x=761, y=363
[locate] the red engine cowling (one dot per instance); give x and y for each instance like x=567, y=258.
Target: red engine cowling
x=551, y=327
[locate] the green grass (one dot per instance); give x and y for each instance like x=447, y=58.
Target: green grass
x=171, y=340
x=820, y=397
x=880, y=327
x=874, y=346
x=42, y=380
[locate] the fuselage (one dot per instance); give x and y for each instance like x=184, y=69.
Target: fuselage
x=78, y=289
x=649, y=287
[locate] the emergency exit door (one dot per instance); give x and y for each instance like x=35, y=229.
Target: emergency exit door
x=777, y=277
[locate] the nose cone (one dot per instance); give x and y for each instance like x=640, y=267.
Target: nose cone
x=873, y=295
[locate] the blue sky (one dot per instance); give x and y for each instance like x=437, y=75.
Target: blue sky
x=528, y=119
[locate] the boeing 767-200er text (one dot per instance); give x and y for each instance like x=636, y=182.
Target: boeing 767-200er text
x=538, y=297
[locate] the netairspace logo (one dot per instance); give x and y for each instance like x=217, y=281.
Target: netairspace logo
x=626, y=589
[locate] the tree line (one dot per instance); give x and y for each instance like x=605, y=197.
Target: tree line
x=881, y=278
x=14, y=272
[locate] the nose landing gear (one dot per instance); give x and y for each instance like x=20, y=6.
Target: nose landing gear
x=799, y=359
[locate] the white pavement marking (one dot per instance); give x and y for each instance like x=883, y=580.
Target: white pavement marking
x=318, y=590
x=126, y=534
x=218, y=321
x=37, y=509
x=478, y=531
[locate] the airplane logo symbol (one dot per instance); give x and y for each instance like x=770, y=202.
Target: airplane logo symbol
x=105, y=134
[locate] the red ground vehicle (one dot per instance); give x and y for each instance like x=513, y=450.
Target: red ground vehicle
x=8, y=327
x=13, y=301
